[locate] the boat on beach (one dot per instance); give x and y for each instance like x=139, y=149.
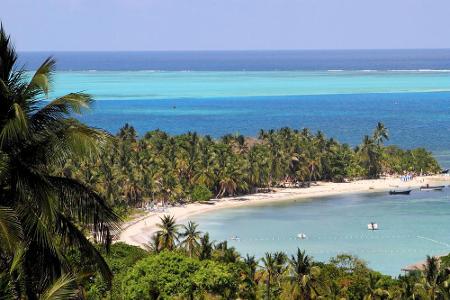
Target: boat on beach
x=406, y=192
x=432, y=187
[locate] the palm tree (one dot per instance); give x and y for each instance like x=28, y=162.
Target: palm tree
x=280, y=261
x=305, y=275
x=408, y=284
x=375, y=292
x=370, y=157
x=191, y=238
x=380, y=134
x=168, y=233
x=230, y=172
x=248, y=278
x=226, y=254
x=154, y=243
x=251, y=264
x=206, y=247
x=435, y=282
x=269, y=267
x=36, y=138
x=336, y=292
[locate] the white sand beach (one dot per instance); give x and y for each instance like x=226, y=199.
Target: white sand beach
x=138, y=231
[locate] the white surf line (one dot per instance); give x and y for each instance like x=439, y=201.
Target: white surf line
x=434, y=241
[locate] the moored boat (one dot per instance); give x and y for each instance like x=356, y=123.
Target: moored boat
x=406, y=192
x=372, y=226
x=301, y=236
x=432, y=187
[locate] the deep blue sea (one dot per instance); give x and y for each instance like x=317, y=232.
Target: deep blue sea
x=303, y=60
x=343, y=93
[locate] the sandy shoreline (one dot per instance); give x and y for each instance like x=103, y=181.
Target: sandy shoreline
x=137, y=232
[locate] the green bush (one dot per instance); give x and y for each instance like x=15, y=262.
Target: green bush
x=170, y=275
x=201, y=193
x=120, y=258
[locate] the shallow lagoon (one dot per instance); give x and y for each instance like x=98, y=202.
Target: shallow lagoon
x=411, y=227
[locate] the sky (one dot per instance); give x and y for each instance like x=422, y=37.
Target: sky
x=139, y=25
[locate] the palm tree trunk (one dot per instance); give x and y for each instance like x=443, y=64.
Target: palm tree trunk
x=28, y=281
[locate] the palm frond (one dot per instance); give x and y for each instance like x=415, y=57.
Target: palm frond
x=66, y=139
x=17, y=259
x=85, y=206
x=16, y=127
x=36, y=228
x=82, y=140
x=62, y=289
x=77, y=239
x=8, y=55
x=62, y=107
x=42, y=77
x=10, y=229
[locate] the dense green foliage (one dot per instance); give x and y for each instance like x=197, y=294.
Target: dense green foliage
x=176, y=275
x=120, y=258
x=45, y=216
x=189, y=167
x=201, y=193
x=217, y=271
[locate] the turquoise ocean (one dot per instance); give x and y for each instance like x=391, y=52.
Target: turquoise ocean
x=414, y=105
x=342, y=93
x=411, y=227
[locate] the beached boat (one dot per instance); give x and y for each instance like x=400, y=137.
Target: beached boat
x=407, y=192
x=432, y=187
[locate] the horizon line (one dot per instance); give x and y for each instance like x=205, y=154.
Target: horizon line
x=244, y=50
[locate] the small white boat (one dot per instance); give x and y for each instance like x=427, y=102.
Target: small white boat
x=372, y=226
x=432, y=188
x=235, y=238
x=301, y=236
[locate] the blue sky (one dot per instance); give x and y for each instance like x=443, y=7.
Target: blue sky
x=226, y=24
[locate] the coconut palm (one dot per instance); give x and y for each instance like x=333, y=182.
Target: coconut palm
x=168, y=233
x=370, y=157
x=374, y=292
x=336, y=292
x=37, y=137
x=435, y=282
x=225, y=254
x=408, y=289
x=206, y=247
x=191, y=237
x=380, y=134
x=248, y=278
x=154, y=244
x=432, y=275
x=231, y=173
x=251, y=264
x=280, y=261
x=305, y=276
x=268, y=266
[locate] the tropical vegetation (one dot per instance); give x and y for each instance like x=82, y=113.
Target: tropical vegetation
x=63, y=186
x=44, y=215
x=158, y=167
x=215, y=270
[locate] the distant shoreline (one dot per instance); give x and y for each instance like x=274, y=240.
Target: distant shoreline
x=138, y=231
